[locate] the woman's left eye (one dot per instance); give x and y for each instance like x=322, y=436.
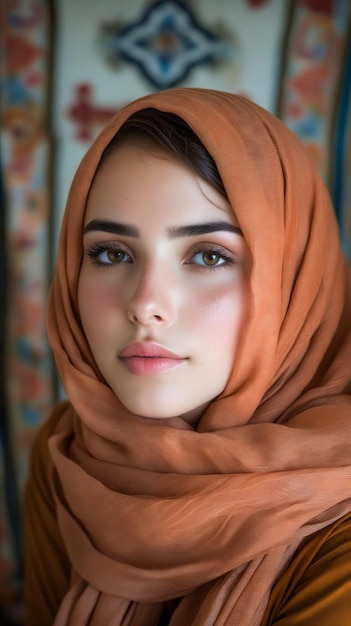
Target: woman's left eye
x=210, y=258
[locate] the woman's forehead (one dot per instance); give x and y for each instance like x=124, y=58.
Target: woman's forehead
x=134, y=183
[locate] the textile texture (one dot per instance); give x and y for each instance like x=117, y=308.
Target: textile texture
x=27, y=385
x=152, y=511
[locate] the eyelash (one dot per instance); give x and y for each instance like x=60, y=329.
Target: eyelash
x=96, y=250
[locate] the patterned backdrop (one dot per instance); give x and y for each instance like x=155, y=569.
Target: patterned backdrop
x=315, y=97
x=27, y=393
x=165, y=45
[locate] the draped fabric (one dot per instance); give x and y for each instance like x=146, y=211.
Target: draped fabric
x=151, y=511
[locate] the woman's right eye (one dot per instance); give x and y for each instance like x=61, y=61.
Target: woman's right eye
x=108, y=255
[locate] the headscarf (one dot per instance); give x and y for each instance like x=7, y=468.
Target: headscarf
x=211, y=515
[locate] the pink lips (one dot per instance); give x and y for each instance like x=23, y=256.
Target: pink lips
x=148, y=359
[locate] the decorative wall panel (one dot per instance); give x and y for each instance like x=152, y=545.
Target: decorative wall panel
x=27, y=392
x=315, y=94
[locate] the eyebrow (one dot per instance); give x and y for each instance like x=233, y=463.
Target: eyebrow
x=174, y=232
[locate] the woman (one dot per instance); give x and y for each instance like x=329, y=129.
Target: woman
x=200, y=320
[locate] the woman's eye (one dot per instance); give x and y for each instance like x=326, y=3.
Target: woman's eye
x=114, y=256
x=108, y=256
x=210, y=258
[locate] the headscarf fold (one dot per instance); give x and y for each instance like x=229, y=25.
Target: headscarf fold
x=151, y=511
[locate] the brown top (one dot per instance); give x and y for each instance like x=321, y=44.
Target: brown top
x=154, y=511
x=315, y=588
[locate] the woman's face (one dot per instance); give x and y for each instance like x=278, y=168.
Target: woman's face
x=163, y=289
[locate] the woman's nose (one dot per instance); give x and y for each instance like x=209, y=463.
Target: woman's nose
x=153, y=299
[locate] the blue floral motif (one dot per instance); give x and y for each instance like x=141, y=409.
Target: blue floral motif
x=166, y=43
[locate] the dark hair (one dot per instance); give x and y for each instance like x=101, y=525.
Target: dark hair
x=170, y=133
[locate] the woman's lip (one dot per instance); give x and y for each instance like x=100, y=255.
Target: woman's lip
x=148, y=350
x=148, y=359
x=150, y=365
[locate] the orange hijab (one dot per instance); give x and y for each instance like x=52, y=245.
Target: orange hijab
x=150, y=512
